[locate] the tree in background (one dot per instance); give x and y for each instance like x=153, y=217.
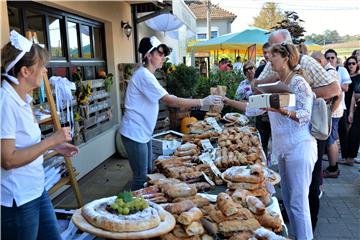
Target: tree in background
x=330, y=36
x=293, y=23
x=269, y=16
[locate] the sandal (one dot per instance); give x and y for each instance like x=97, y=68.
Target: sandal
x=346, y=162
x=328, y=174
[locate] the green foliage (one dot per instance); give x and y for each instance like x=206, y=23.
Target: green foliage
x=182, y=82
x=292, y=22
x=229, y=79
x=166, y=65
x=331, y=36
x=125, y=196
x=108, y=81
x=269, y=15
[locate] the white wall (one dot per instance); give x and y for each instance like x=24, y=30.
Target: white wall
x=223, y=26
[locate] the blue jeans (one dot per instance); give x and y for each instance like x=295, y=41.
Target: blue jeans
x=140, y=159
x=33, y=220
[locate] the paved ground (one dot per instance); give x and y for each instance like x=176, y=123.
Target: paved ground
x=339, y=216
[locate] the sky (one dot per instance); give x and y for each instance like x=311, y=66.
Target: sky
x=319, y=15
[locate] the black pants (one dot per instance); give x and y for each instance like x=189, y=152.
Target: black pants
x=354, y=134
x=314, y=189
x=343, y=131
x=262, y=124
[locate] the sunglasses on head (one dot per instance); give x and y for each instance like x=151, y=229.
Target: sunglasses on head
x=332, y=57
x=351, y=63
x=285, y=45
x=249, y=68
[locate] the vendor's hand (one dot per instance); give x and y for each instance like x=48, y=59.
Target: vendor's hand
x=254, y=90
x=67, y=149
x=350, y=118
x=61, y=135
x=226, y=100
x=212, y=100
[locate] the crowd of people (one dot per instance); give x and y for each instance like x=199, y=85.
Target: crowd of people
x=293, y=146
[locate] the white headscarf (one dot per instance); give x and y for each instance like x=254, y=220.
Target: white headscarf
x=24, y=45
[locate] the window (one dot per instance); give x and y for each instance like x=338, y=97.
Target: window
x=98, y=43
x=214, y=34
x=14, y=19
x=73, y=41
x=35, y=24
x=85, y=41
x=55, y=37
x=201, y=36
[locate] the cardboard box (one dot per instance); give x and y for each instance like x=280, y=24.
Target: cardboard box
x=273, y=100
x=163, y=146
x=276, y=87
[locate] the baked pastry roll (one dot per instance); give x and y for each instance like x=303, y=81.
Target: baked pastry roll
x=255, y=205
x=243, y=174
x=244, y=235
x=197, y=200
x=186, y=218
x=179, y=207
x=179, y=190
x=239, y=225
x=171, y=236
x=195, y=228
x=270, y=220
x=226, y=205
x=244, y=185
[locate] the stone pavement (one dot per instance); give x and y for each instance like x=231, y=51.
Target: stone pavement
x=339, y=216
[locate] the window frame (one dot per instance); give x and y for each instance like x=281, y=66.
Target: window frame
x=64, y=17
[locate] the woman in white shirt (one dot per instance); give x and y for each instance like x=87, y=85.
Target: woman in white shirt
x=26, y=210
x=142, y=106
x=293, y=145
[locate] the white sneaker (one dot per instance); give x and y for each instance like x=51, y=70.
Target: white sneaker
x=357, y=160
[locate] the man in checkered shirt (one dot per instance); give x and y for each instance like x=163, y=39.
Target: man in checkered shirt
x=324, y=86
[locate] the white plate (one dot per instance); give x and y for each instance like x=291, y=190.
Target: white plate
x=241, y=118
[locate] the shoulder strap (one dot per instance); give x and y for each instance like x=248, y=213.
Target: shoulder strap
x=300, y=57
x=337, y=68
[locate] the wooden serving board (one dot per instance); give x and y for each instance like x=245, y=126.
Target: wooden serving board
x=165, y=226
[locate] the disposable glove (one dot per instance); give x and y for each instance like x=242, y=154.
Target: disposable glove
x=212, y=100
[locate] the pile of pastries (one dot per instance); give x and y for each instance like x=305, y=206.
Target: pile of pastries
x=184, y=165
x=237, y=147
x=247, y=180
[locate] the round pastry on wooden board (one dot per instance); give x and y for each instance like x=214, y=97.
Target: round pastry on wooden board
x=99, y=215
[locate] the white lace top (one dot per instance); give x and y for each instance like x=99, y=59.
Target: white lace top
x=285, y=131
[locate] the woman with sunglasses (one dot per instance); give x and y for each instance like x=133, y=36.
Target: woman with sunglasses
x=243, y=92
x=293, y=145
x=350, y=135
x=142, y=106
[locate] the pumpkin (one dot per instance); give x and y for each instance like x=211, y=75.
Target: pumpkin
x=102, y=73
x=185, y=122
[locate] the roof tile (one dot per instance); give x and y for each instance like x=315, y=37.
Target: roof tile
x=200, y=11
